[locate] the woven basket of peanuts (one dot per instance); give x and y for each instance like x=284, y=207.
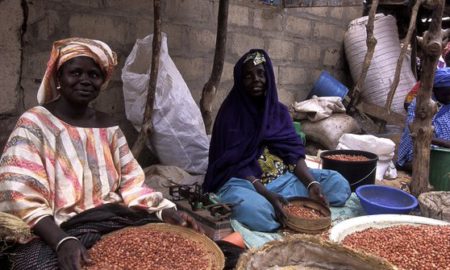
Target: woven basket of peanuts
x=406, y=241
x=302, y=251
x=435, y=204
x=156, y=246
x=305, y=215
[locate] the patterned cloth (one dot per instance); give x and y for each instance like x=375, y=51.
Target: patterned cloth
x=272, y=167
x=440, y=122
x=49, y=167
x=66, y=49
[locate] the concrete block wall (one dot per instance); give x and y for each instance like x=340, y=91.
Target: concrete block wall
x=301, y=42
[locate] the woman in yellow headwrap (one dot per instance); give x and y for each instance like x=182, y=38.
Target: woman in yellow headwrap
x=67, y=170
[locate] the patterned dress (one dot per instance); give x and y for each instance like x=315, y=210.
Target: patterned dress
x=49, y=167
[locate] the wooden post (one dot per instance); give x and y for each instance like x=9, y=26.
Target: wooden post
x=421, y=129
x=371, y=42
x=147, y=125
x=210, y=88
x=411, y=29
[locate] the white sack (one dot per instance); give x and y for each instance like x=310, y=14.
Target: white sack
x=383, y=147
x=179, y=137
x=318, y=108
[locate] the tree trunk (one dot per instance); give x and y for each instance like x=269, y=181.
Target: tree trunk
x=210, y=88
x=421, y=128
x=147, y=125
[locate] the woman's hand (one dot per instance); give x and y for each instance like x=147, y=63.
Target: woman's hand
x=277, y=202
x=315, y=193
x=72, y=255
x=180, y=218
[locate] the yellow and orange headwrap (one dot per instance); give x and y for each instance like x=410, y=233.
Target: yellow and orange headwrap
x=66, y=49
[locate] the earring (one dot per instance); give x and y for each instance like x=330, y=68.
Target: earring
x=58, y=87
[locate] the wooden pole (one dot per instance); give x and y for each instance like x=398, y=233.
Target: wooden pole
x=371, y=42
x=147, y=125
x=210, y=88
x=421, y=128
x=411, y=29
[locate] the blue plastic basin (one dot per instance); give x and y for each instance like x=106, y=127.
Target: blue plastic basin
x=385, y=200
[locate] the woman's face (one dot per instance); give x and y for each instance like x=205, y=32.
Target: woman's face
x=80, y=79
x=254, y=79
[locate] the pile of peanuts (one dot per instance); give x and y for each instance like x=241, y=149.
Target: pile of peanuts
x=302, y=212
x=144, y=248
x=348, y=157
x=424, y=247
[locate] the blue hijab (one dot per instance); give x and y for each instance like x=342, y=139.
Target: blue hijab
x=242, y=129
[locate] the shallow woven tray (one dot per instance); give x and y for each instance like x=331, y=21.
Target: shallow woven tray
x=215, y=256
x=308, y=252
x=305, y=225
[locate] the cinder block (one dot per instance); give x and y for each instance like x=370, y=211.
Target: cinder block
x=268, y=19
x=328, y=31
x=318, y=11
x=30, y=88
x=201, y=40
x=9, y=69
x=332, y=57
x=142, y=7
x=189, y=11
x=238, y=15
x=298, y=26
x=240, y=43
x=34, y=64
x=292, y=75
x=48, y=26
x=7, y=124
x=308, y=54
x=281, y=50
x=337, y=12
x=193, y=68
x=108, y=29
x=111, y=99
x=352, y=13
x=176, y=38
x=286, y=97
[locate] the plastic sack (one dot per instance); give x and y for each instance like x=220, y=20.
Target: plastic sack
x=318, y=108
x=381, y=72
x=384, y=148
x=179, y=137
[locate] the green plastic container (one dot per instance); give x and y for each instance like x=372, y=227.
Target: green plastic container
x=298, y=130
x=440, y=169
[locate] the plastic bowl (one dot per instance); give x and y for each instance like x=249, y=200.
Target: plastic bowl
x=385, y=200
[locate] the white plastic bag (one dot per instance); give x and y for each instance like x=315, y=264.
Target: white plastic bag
x=382, y=147
x=179, y=137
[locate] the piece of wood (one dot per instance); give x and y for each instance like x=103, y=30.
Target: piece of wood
x=411, y=28
x=371, y=42
x=421, y=128
x=210, y=88
x=147, y=125
x=381, y=113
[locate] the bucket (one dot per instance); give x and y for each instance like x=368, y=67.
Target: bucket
x=357, y=173
x=439, y=169
x=328, y=86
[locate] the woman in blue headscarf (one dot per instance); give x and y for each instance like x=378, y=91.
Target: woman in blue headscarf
x=256, y=158
x=440, y=122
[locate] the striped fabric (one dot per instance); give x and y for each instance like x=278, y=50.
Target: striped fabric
x=49, y=167
x=440, y=122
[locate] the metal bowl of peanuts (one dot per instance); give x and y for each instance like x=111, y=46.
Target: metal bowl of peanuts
x=305, y=215
x=406, y=241
x=156, y=246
